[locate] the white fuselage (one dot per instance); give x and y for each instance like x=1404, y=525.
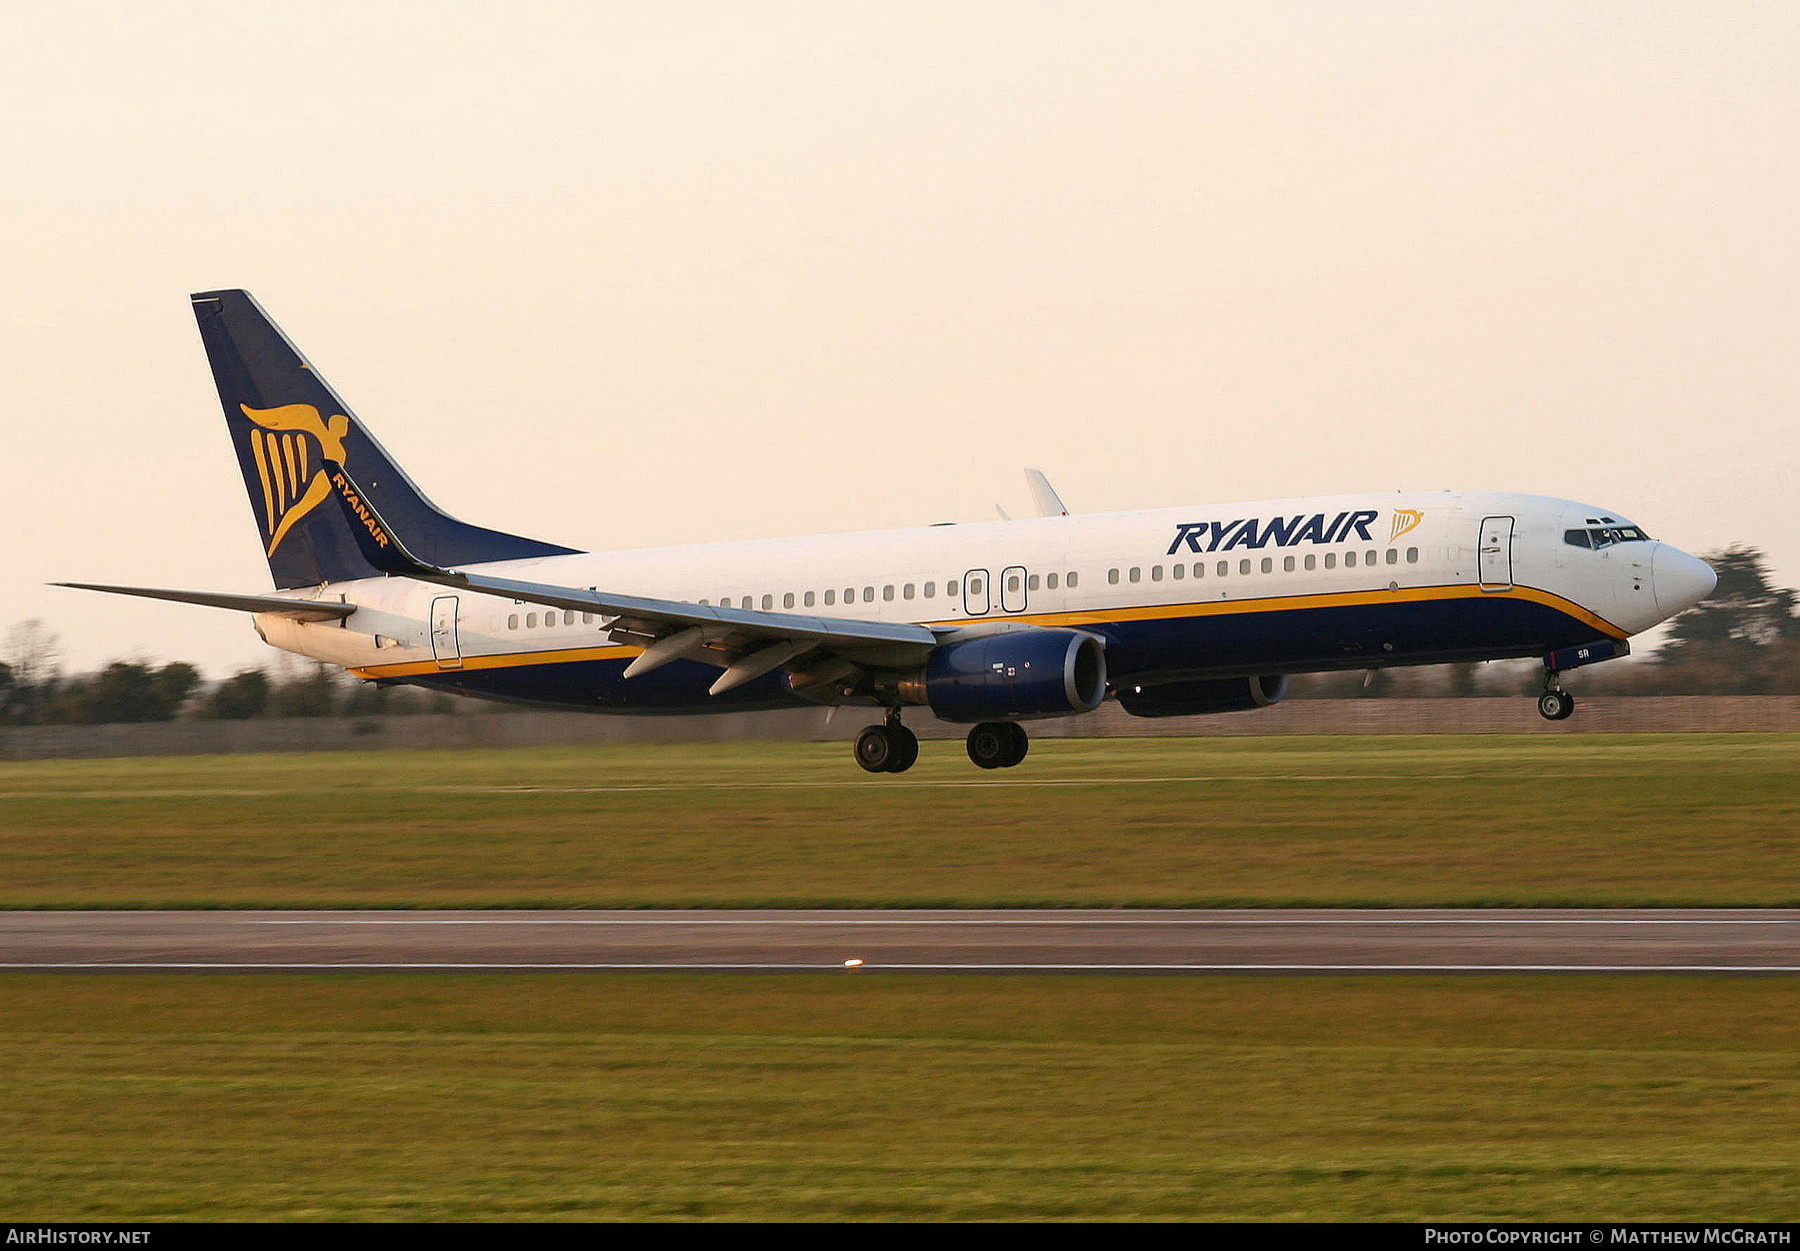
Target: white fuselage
x=1210, y=566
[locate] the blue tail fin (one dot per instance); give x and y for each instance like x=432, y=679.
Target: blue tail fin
x=286, y=424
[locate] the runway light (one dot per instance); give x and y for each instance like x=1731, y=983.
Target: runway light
x=852, y=964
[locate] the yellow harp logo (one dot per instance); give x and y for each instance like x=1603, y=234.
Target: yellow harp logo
x=1405, y=519
x=289, y=443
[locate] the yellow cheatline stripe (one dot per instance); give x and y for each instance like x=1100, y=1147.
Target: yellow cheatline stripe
x=1159, y=612
x=1340, y=599
x=511, y=660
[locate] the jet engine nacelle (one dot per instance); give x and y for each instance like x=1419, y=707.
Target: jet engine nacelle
x=1016, y=675
x=1186, y=699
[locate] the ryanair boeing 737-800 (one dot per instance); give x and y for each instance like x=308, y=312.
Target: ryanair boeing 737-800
x=1170, y=611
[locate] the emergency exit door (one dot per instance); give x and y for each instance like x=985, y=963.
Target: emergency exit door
x=1496, y=553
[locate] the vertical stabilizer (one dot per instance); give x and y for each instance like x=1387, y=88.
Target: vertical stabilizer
x=286, y=423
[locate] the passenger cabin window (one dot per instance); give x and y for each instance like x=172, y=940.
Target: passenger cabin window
x=1112, y=577
x=807, y=601
x=1224, y=568
x=887, y=592
x=1178, y=572
x=931, y=590
x=768, y=601
x=1331, y=560
x=1243, y=566
x=1412, y=555
x=1071, y=581
x=906, y=592
x=1393, y=555
x=1268, y=564
x=1050, y=582
x=1031, y=583
x=1349, y=560
x=830, y=598
x=950, y=589
x=512, y=622
x=1199, y=568
x=1312, y=562
x=1156, y=573
x=531, y=621
x=1287, y=564
x=1371, y=557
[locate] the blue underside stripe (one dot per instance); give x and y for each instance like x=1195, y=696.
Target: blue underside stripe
x=1295, y=640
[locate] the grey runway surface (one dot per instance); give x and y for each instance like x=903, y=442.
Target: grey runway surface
x=1685, y=940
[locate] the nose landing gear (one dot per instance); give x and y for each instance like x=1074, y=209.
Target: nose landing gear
x=1555, y=704
x=889, y=748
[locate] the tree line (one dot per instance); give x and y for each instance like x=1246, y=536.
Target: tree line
x=34, y=690
x=1743, y=639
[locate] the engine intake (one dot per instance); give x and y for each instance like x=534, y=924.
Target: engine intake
x=1017, y=675
x=1187, y=699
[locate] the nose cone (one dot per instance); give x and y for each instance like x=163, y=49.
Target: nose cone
x=1679, y=581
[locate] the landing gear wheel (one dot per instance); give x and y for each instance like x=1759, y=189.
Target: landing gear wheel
x=887, y=748
x=905, y=748
x=998, y=744
x=1556, y=705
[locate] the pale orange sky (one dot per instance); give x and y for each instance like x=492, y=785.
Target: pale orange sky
x=622, y=275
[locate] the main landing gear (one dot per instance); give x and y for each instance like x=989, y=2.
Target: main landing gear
x=889, y=748
x=1555, y=704
x=998, y=744
x=892, y=748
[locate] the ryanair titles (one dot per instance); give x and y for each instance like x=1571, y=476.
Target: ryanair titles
x=363, y=515
x=1225, y=536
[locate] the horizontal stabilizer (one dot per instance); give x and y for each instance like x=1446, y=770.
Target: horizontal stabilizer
x=299, y=609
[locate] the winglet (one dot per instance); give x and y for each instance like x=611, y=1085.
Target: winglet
x=379, y=545
x=1049, y=503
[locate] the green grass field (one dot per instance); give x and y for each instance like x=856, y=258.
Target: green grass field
x=598, y=1097
x=1622, y=820
x=860, y=1096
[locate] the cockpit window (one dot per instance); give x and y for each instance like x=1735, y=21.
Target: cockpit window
x=1604, y=536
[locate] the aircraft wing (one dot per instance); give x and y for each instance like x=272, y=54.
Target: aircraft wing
x=301, y=609
x=742, y=641
x=661, y=614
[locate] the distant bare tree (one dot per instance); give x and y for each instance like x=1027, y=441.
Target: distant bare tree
x=33, y=655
